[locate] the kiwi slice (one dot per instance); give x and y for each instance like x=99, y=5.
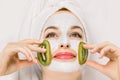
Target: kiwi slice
x=82, y=53
x=45, y=58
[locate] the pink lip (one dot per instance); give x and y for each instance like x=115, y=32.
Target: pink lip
x=64, y=55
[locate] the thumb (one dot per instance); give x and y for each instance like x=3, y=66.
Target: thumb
x=25, y=63
x=96, y=65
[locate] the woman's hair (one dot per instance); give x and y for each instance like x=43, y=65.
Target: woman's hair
x=63, y=9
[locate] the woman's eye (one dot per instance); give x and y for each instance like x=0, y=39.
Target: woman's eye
x=75, y=35
x=51, y=35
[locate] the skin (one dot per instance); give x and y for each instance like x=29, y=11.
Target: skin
x=9, y=61
x=109, y=50
x=54, y=75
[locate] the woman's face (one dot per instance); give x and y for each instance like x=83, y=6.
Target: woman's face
x=64, y=32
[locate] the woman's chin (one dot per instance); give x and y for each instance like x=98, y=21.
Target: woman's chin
x=63, y=65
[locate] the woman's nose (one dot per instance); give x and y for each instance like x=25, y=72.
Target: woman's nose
x=65, y=46
x=64, y=42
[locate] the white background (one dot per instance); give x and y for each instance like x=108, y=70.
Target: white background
x=103, y=19
x=12, y=13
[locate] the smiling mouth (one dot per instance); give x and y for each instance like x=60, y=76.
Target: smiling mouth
x=64, y=56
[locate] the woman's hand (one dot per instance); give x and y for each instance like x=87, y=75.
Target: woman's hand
x=112, y=68
x=9, y=61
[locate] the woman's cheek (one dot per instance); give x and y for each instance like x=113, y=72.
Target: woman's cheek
x=74, y=45
x=54, y=44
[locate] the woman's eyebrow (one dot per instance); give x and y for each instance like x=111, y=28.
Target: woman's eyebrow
x=77, y=27
x=51, y=27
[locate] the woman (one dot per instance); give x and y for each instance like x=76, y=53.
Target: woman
x=63, y=27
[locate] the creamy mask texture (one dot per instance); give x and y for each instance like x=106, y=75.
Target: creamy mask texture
x=60, y=29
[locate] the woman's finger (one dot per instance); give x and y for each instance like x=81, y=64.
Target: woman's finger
x=36, y=48
x=24, y=52
x=105, y=51
x=31, y=41
x=98, y=47
x=31, y=54
x=88, y=46
x=112, y=52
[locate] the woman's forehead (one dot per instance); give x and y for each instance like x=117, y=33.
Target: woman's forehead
x=63, y=19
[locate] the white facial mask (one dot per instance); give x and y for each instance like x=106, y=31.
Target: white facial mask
x=64, y=21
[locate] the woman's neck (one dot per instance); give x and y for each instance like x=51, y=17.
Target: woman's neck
x=54, y=75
